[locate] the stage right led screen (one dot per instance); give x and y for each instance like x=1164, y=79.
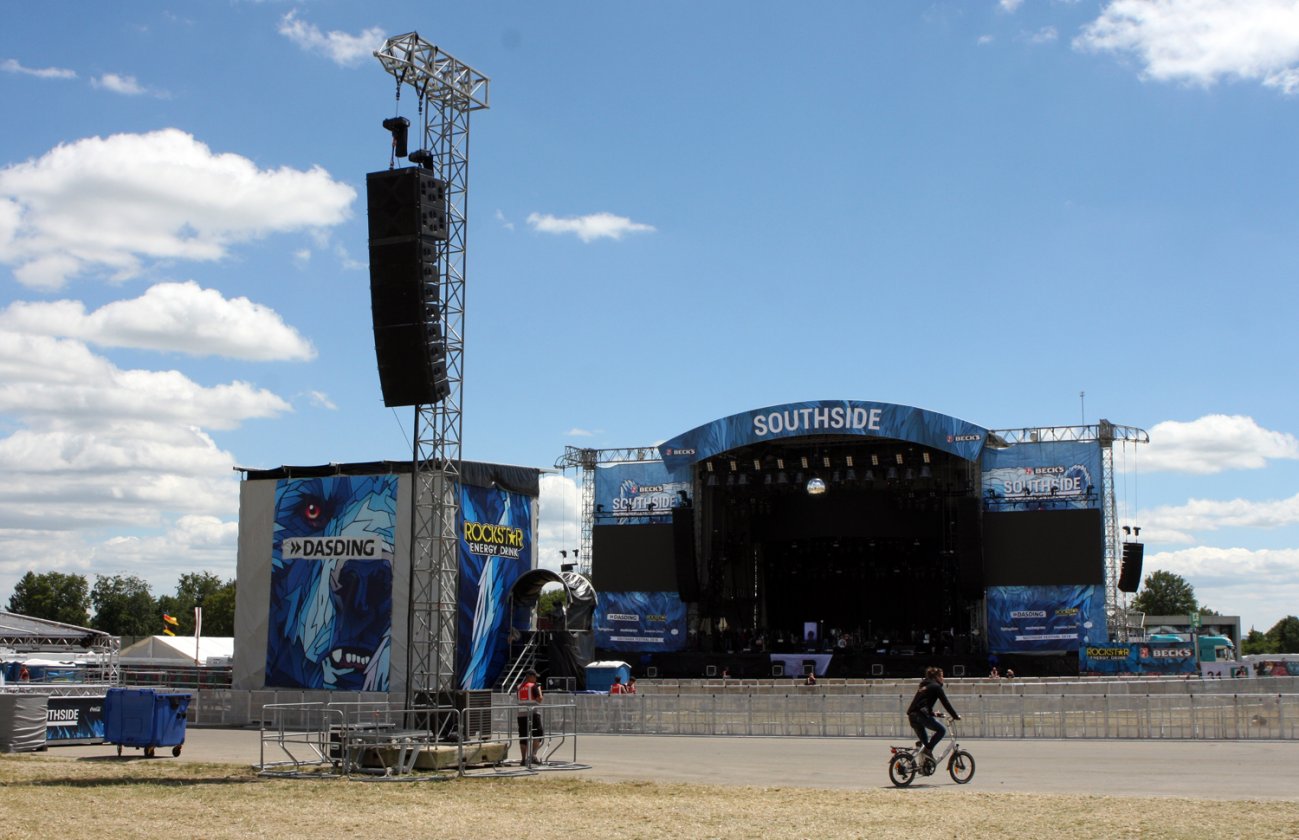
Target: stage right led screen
x=1043, y=548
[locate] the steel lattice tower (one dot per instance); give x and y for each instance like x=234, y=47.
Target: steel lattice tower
x=448, y=91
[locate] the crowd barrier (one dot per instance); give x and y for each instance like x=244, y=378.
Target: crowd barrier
x=1028, y=710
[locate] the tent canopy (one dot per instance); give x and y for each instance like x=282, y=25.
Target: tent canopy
x=178, y=650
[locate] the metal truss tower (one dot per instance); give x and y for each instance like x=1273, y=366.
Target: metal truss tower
x=448, y=91
x=1106, y=433
x=587, y=460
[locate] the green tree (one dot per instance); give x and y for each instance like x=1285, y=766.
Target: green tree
x=1254, y=642
x=1165, y=593
x=124, y=606
x=53, y=596
x=196, y=589
x=1284, y=636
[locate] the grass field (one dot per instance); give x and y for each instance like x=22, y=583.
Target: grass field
x=103, y=798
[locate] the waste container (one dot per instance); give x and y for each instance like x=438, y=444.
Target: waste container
x=145, y=719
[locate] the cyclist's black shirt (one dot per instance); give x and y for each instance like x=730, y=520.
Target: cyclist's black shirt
x=930, y=692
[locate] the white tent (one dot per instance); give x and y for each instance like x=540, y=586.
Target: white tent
x=179, y=650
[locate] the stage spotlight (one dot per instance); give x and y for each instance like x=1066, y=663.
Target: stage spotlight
x=870, y=475
x=848, y=460
x=851, y=475
x=825, y=461
x=802, y=462
x=892, y=474
x=767, y=479
x=909, y=475
x=712, y=481
x=836, y=477
x=875, y=460
x=757, y=463
x=423, y=157
x=925, y=472
x=708, y=465
x=780, y=463
x=925, y=457
x=744, y=479
x=815, y=486
x=781, y=478
x=898, y=457
x=398, y=126
x=734, y=466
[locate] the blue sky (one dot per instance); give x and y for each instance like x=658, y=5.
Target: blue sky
x=678, y=211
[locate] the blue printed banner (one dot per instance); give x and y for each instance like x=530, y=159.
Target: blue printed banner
x=826, y=417
x=638, y=493
x=331, y=583
x=1137, y=658
x=495, y=549
x=1044, y=619
x=1064, y=474
x=642, y=622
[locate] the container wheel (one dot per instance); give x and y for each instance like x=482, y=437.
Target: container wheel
x=175, y=751
x=149, y=752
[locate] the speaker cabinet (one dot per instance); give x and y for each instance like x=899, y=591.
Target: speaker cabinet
x=1130, y=574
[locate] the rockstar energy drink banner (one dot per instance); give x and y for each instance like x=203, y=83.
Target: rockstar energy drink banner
x=1137, y=658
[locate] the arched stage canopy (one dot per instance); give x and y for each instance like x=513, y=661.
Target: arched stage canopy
x=826, y=417
x=579, y=600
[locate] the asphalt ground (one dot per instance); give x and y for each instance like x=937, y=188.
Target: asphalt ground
x=1223, y=770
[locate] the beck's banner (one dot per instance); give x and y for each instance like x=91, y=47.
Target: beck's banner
x=1137, y=658
x=638, y=493
x=1064, y=474
x=330, y=620
x=495, y=549
x=640, y=622
x=826, y=417
x=1044, y=619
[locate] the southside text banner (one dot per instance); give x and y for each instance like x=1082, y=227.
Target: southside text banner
x=1137, y=658
x=826, y=417
x=1044, y=619
x=642, y=622
x=495, y=549
x=637, y=493
x=1061, y=473
x=331, y=583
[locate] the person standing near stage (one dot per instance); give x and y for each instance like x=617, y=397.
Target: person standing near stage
x=631, y=685
x=920, y=713
x=529, y=714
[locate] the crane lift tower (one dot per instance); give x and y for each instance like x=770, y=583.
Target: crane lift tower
x=446, y=91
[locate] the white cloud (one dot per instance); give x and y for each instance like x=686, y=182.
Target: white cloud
x=576, y=432
x=1182, y=524
x=339, y=47
x=107, y=203
x=588, y=228
x=1202, y=41
x=1261, y=586
x=1010, y=6
x=505, y=223
x=1045, y=35
x=320, y=399
x=11, y=65
x=125, y=85
x=559, y=520
x=171, y=317
x=1213, y=444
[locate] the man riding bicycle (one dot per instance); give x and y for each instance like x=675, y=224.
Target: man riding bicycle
x=921, y=711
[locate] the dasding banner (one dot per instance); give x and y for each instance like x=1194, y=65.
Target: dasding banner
x=495, y=549
x=638, y=493
x=330, y=619
x=1137, y=658
x=826, y=417
x=1044, y=619
x=1065, y=473
x=640, y=622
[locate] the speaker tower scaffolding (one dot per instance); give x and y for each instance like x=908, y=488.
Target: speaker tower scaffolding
x=448, y=92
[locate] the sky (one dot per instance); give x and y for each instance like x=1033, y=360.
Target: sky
x=1018, y=213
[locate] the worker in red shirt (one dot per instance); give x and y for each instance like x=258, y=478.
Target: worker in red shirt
x=529, y=715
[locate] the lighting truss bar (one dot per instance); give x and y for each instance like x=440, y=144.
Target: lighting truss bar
x=434, y=73
x=587, y=460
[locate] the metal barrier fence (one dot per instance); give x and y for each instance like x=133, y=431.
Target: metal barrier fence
x=1151, y=716
x=375, y=738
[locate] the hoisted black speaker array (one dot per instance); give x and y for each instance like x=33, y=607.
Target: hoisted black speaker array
x=407, y=211
x=1130, y=574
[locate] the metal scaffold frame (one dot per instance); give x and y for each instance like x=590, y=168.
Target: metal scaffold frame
x=448, y=91
x=586, y=460
x=1106, y=433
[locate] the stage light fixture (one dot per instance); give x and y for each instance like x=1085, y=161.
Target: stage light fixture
x=767, y=479
x=730, y=480
x=875, y=460
x=909, y=475
x=892, y=474
x=802, y=461
x=851, y=475
x=897, y=456
x=925, y=472
x=815, y=486
x=708, y=465
x=734, y=466
x=825, y=461
x=780, y=463
x=781, y=478
x=925, y=457
x=870, y=475
x=757, y=463
x=398, y=126
x=423, y=157
x=712, y=481
x=836, y=477
x=848, y=460
x=744, y=479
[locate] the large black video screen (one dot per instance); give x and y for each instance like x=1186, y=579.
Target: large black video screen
x=1043, y=548
x=633, y=558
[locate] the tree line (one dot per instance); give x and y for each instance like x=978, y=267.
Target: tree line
x=1164, y=593
x=123, y=605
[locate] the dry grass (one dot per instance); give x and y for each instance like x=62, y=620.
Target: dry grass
x=98, y=799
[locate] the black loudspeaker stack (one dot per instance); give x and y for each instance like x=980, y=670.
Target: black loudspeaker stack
x=408, y=224
x=969, y=545
x=683, y=552
x=1130, y=574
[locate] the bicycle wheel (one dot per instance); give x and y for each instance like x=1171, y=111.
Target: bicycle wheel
x=902, y=770
x=961, y=767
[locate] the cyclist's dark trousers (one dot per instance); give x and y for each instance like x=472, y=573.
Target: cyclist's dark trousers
x=920, y=722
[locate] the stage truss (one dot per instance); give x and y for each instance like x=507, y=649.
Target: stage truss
x=448, y=91
x=1105, y=433
x=586, y=461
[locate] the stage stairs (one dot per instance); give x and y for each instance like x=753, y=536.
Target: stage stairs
x=531, y=654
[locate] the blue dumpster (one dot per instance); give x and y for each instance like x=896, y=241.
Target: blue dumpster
x=145, y=719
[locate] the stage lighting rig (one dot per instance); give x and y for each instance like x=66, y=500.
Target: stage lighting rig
x=398, y=126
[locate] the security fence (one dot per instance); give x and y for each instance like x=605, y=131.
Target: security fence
x=1170, y=709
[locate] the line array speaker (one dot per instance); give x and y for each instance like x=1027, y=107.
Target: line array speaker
x=969, y=525
x=1130, y=574
x=683, y=552
x=407, y=221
